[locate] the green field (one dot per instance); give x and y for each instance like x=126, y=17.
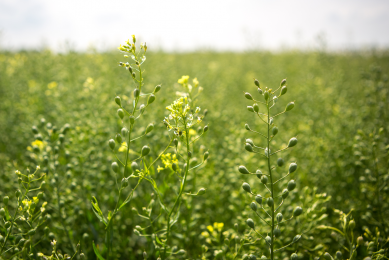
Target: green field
x=340, y=118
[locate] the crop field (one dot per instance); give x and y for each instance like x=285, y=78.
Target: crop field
x=202, y=155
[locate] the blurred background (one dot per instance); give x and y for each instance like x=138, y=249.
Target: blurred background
x=193, y=25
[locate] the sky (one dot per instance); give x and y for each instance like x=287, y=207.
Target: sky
x=184, y=25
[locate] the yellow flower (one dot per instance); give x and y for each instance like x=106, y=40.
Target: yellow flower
x=183, y=80
x=52, y=85
x=218, y=226
x=210, y=228
x=196, y=82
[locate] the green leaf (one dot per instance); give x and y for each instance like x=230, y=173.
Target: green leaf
x=98, y=212
x=97, y=252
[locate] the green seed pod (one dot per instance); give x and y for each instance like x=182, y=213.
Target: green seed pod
x=249, y=141
x=61, y=138
x=157, y=88
x=40, y=195
x=150, y=99
x=352, y=224
x=245, y=257
x=175, y=142
x=248, y=147
x=274, y=131
x=292, y=142
x=27, y=242
x=250, y=108
x=38, y=137
x=133, y=75
x=174, y=166
x=21, y=242
x=118, y=101
x=48, y=217
x=247, y=127
x=205, y=129
x=264, y=179
x=115, y=167
x=145, y=150
x=292, y=167
x=258, y=199
x=253, y=206
x=256, y=82
x=260, y=91
x=118, y=138
x=31, y=232
x=297, y=211
x=268, y=240
x=34, y=130
x=18, y=193
x=285, y=193
x=1, y=239
x=130, y=69
x=277, y=232
x=206, y=155
x=270, y=202
x=248, y=96
x=136, y=92
x=256, y=108
x=120, y=113
x=242, y=169
x=280, y=162
x=327, y=256
x=294, y=256
x=124, y=132
x=283, y=82
x=2, y=212
x=279, y=217
x=360, y=241
x=132, y=120
x=111, y=144
x=266, y=95
x=7, y=224
x=144, y=255
x=190, y=154
x=252, y=257
x=246, y=187
x=289, y=106
x=250, y=223
x=296, y=238
x=201, y=191
x=291, y=185
x=142, y=108
x=339, y=255
x=149, y=128
x=134, y=166
x=284, y=89
x=124, y=182
x=5, y=200
x=263, y=257
x=258, y=173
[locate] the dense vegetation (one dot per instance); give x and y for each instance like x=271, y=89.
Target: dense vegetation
x=58, y=112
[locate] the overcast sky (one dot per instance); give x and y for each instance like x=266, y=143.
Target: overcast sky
x=191, y=25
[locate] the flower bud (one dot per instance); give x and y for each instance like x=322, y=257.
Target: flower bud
x=292, y=142
x=297, y=211
x=150, y=99
x=253, y=206
x=270, y=202
x=327, y=256
x=284, y=89
x=118, y=101
x=157, y=88
x=5, y=200
x=136, y=92
x=149, y=128
x=201, y=191
x=132, y=120
x=134, y=166
x=248, y=147
x=256, y=82
x=145, y=150
x=247, y=127
x=111, y=144
x=242, y=169
x=118, y=138
x=289, y=106
x=274, y=131
x=205, y=129
x=293, y=256
x=246, y=187
x=206, y=155
x=280, y=162
x=248, y=96
x=279, y=217
x=360, y=241
x=250, y=108
x=291, y=185
x=115, y=167
x=124, y=132
x=352, y=224
x=277, y=232
x=292, y=167
x=285, y=193
x=250, y=223
x=264, y=179
x=256, y=107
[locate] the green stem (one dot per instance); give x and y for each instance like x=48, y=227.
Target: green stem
x=378, y=193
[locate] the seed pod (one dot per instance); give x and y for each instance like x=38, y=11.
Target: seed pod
x=250, y=108
x=7, y=224
x=150, y=99
x=1, y=239
x=149, y=128
x=252, y=257
x=250, y=142
x=339, y=255
x=31, y=232
x=283, y=82
x=201, y=191
x=264, y=179
x=260, y=91
x=205, y=129
x=118, y=101
x=5, y=200
x=280, y=162
x=120, y=113
x=157, y=88
x=118, y=138
x=291, y=185
x=124, y=132
x=292, y=167
x=40, y=195
x=289, y=106
x=285, y=193
x=268, y=240
x=248, y=147
x=132, y=120
x=206, y=155
x=246, y=187
x=248, y=96
x=266, y=95
x=296, y=238
x=327, y=256
x=247, y=127
x=242, y=169
x=174, y=166
x=136, y=92
x=124, y=182
x=263, y=257
x=256, y=82
x=297, y=211
x=277, y=232
x=2, y=212
x=133, y=75
x=253, y=206
x=18, y=193
x=111, y=144
x=294, y=256
x=279, y=217
x=115, y=167
x=258, y=199
x=360, y=241
x=250, y=223
x=245, y=257
x=134, y=166
x=145, y=150
x=292, y=142
x=258, y=173
x=256, y=107
x=34, y=130
x=142, y=108
x=175, y=142
x=274, y=131
x=270, y=202
x=352, y=224
x=284, y=89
